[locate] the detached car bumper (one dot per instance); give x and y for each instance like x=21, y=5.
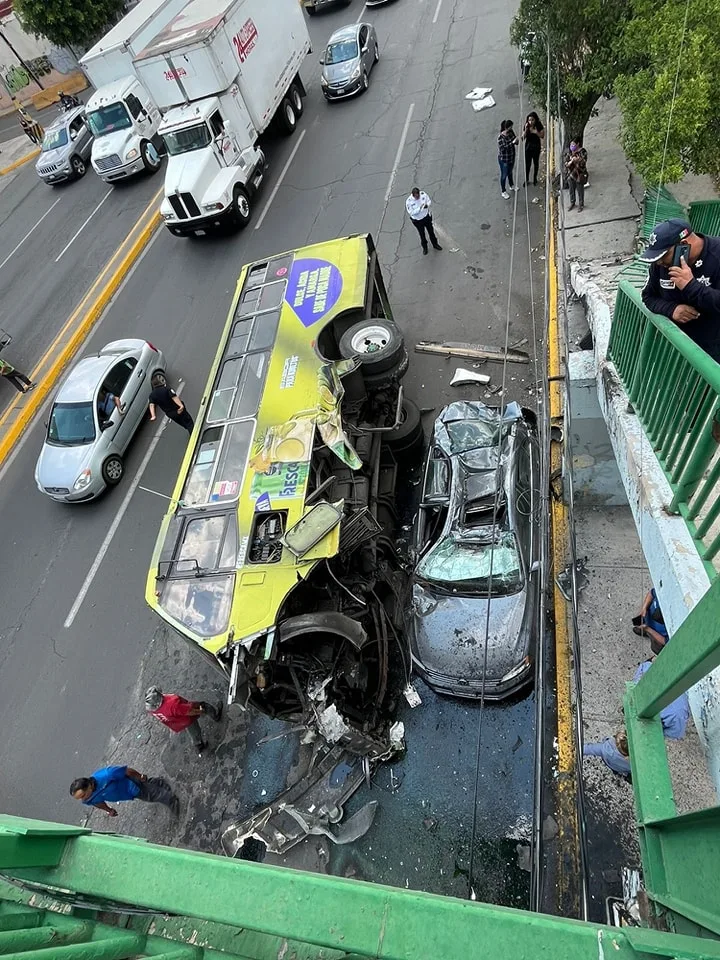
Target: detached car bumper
x=473, y=689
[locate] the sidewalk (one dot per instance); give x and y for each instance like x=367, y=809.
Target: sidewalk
x=596, y=244
x=13, y=155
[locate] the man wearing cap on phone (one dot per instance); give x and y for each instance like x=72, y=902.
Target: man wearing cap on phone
x=684, y=281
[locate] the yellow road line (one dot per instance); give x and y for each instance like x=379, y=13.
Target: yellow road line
x=47, y=372
x=566, y=752
x=18, y=163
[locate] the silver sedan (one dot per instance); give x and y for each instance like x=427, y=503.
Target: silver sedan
x=349, y=56
x=97, y=410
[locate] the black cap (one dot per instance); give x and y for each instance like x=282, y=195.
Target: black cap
x=664, y=236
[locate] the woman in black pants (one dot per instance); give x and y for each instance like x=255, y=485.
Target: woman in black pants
x=533, y=135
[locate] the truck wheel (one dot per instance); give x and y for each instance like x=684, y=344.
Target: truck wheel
x=410, y=432
x=151, y=160
x=241, y=209
x=287, y=117
x=296, y=99
x=377, y=342
x=78, y=166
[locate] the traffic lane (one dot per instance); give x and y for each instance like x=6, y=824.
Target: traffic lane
x=170, y=301
x=47, y=276
x=64, y=693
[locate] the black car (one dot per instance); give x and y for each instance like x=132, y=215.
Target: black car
x=475, y=609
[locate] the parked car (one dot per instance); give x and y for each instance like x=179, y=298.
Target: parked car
x=65, y=148
x=84, y=445
x=312, y=6
x=349, y=57
x=475, y=607
x=376, y=3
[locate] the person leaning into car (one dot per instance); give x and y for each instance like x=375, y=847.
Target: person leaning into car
x=169, y=402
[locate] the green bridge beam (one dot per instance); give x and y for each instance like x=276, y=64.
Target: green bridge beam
x=361, y=919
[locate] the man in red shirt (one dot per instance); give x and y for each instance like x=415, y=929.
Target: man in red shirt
x=179, y=714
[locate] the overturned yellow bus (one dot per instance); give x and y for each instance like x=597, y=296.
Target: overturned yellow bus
x=277, y=554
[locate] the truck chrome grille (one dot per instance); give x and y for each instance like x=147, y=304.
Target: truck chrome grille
x=108, y=163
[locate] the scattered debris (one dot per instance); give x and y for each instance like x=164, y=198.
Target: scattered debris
x=536, y=199
x=564, y=578
x=430, y=823
x=519, y=343
x=472, y=351
x=550, y=828
x=462, y=376
x=478, y=93
x=483, y=104
x=312, y=806
x=411, y=695
x=518, y=743
x=523, y=855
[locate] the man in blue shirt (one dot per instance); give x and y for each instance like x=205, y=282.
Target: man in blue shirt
x=613, y=751
x=116, y=784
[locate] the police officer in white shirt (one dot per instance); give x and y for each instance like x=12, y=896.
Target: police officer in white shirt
x=418, y=208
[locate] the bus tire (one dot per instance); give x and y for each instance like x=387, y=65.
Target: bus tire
x=409, y=434
x=377, y=342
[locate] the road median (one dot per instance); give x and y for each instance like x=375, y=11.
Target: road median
x=76, y=329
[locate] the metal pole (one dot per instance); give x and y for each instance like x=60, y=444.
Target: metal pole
x=23, y=64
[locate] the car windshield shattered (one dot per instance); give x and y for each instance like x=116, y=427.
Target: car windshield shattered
x=71, y=424
x=54, y=139
x=341, y=51
x=495, y=564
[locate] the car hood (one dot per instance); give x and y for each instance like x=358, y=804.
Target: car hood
x=448, y=633
x=191, y=173
x=115, y=142
x=48, y=157
x=60, y=466
x=335, y=72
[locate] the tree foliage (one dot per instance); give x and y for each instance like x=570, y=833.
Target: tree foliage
x=68, y=23
x=584, y=38
x=651, y=50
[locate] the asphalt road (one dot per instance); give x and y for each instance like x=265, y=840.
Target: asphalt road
x=71, y=698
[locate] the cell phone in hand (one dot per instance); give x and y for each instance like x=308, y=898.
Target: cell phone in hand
x=681, y=250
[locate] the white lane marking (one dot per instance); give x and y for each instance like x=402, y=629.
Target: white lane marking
x=72, y=241
x=280, y=179
x=398, y=155
x=362, y=13
x=437, y=11
x=30, y=231
x=105, y=545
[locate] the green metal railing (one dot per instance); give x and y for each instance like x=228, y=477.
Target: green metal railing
x=268, y=912
x=704, y=216
x=680, y=853
x=658, y=205
x=674, y=387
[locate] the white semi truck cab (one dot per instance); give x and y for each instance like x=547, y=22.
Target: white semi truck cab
x=214, y=165
x=222, y=71
x=125, y=120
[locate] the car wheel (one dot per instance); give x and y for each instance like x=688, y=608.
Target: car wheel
x=78, y=166
x=113, y=470
x=410, y=432
x=151, y=160
x=287, y=117
x=241, y=209
x=296, y=99
x=377, y=342
x=365, y=81
x=376, y=56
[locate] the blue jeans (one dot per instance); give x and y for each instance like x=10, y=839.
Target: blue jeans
x=506, y=170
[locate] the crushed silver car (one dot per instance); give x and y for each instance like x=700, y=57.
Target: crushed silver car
x=475, y=610
x=65, y=148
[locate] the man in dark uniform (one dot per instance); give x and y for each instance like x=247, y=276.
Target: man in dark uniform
x=169, y=402
x=689, y=293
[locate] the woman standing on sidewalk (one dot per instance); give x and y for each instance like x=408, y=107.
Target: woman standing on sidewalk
x=533, y=135
x=507, y=141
